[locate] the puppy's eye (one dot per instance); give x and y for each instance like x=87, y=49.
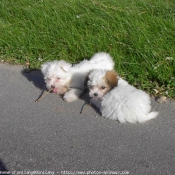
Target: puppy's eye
x=103, y=87
x=58, y=78
x=48, y=78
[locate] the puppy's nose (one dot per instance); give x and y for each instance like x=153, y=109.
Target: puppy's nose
x=95, y=94
x=52, y=86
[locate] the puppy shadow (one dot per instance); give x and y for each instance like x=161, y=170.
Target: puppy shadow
x=3, y=168
x=86, y=99
x=36, y=77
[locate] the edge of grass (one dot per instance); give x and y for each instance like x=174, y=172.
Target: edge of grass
x=139, y=35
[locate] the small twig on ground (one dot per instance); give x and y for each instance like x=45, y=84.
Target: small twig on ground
x=43, y=95
x=83, y=111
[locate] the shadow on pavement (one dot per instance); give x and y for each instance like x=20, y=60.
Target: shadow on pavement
x=3, y=169
x=36, y=77
x=86, y=99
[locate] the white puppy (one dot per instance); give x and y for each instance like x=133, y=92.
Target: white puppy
x=69, y=80
x=118, y=100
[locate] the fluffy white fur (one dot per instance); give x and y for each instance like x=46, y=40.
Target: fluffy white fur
x=69, y=80
x=123, y=102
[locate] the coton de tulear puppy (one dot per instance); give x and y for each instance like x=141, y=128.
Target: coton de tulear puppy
x=68, y=80
x=118, y=100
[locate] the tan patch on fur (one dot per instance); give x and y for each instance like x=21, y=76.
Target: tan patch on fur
x=111, y=78
x=63, y=90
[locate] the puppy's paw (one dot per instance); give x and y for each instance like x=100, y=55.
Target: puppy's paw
x=69, y=97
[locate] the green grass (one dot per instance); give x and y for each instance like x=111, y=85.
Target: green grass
x=139, y=34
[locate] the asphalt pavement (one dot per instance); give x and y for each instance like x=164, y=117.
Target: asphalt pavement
x=52, y=137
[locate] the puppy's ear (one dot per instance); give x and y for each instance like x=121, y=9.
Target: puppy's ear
x=112, y=78
x=45, y=67
x=66, y=66
x=87, y=78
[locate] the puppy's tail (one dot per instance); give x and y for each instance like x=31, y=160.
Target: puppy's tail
x=103, y=59
x=152, y=115
x=147, y=117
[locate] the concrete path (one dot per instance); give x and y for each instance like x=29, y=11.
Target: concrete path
x=52, y=137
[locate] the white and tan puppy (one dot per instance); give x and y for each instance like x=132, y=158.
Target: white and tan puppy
x=118, y=100
x=69, y=80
